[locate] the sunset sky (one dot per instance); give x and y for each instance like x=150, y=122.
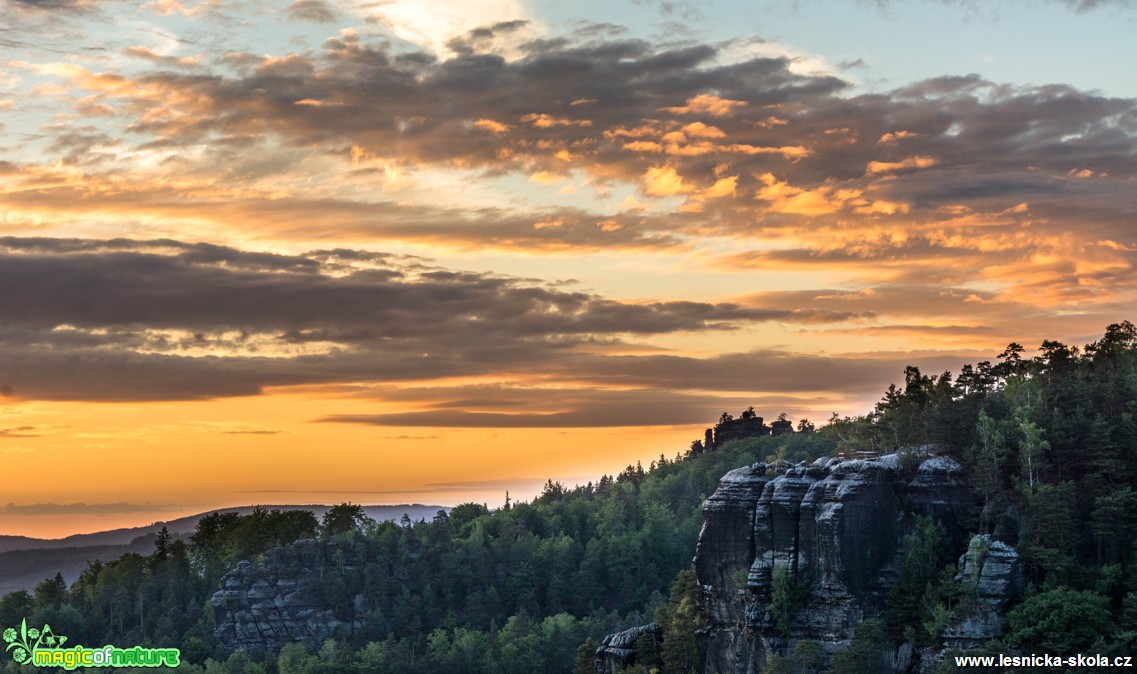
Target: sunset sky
x=301, y=251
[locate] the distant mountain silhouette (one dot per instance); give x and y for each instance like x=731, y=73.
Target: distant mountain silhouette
x=26, y=561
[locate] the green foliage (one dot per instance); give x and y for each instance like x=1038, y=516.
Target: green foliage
x=223, y=539
x=1050, y=443
x=808, y=657
x=924, y=584
x=1053, y=533
x=865, y=654
x=345, y=518
x=786, y=596
x=977, y=552
x=740, y=578
x=585, y=657
x=679, y=618
x=1061, y=620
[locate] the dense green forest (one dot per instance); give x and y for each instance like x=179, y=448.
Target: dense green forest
x=1049, y=443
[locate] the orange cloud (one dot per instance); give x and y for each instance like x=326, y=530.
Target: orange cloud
x=891, y=138
x=785, y=198
x=875, y=167
x=721, y=188
x=545, y=178
x=664, y=181
x=491, y=126
x=643, y=146
x=789, y=151
x=700, y=130
x=543, y=121
x=709, y=104
x=822, y=200
x=770, y=122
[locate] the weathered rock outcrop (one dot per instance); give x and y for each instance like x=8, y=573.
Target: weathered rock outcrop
x=992, y=573
x=726, y=543
x=619, y=650
x=938, y=490
x=834, y=527
x=276, y=601
x=738, y=429
x=726, y=551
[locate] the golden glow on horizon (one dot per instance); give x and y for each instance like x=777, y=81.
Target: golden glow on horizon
x=183, y=459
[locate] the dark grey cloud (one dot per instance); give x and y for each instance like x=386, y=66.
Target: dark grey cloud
x=373, y=97
x=124, y=320
x=202, y=287
x=51, y=5
x=619, y=391
x=82, y=145
x=480, y=39
x=316, y=11
x=679, y=9
x=50, y=27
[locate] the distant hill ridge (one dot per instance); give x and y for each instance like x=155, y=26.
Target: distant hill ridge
x=25, y=561
x=187, y=524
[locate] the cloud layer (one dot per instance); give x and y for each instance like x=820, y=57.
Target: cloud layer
x=941, y=215
x=1024, y=188
x=121, y=320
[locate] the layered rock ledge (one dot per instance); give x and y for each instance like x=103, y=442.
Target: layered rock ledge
x=264, y=605
x=835, y=527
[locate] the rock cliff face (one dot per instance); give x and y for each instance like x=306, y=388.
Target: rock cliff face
x=835, y=527
x=726, y=543
x=618, y=650
x=264, y=605
x=725, y=553
x=992, y=572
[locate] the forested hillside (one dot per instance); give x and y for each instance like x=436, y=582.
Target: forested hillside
x=1050, y=445
x=1048, y=442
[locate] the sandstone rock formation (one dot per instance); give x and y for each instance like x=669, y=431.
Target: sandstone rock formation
x=992, y=572
x=618, y=650
x=725, y=552
x=726, y=543
x=264, y=605
x=835, y=527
